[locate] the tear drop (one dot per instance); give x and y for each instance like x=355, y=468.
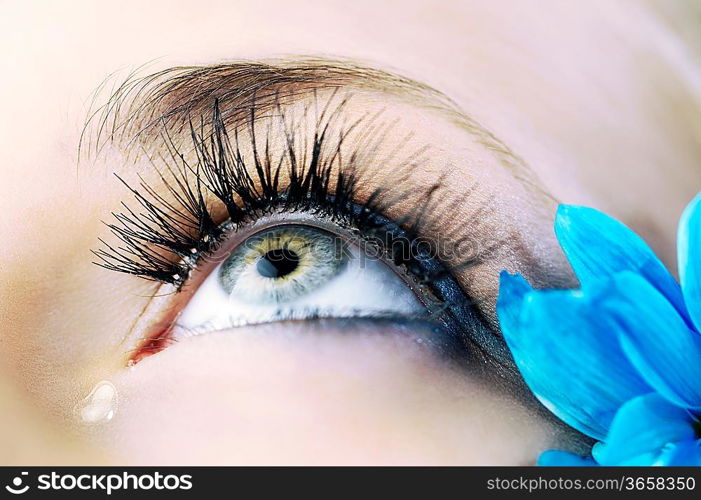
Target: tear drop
x=100, y=405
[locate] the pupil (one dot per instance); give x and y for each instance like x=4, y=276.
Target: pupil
x=277, y=263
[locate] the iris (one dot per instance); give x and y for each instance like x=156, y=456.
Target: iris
x=618, y=359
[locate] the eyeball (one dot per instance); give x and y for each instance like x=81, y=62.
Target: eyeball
x=296, y=272
x=282, y=264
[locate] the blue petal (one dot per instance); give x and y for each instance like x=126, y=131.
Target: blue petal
x=596, y=450
x=686, y=453
x=557, y=458
x=568, y=353
x=512, y=290
x=689, y=255
x=643, y=459
x=657, y=341
x=599, y=246
x=642, y=428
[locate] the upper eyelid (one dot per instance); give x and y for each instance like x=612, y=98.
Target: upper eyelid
x=167, y=224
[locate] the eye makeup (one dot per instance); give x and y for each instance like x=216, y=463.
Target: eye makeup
x=174, y=236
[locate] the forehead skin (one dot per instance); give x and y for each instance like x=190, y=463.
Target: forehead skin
x=599, y=99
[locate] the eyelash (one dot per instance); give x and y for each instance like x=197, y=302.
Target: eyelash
x=165, y=240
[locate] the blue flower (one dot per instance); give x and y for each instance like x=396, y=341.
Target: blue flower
x=618, y=359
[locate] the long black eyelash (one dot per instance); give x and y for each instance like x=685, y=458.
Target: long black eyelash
x=164, y=237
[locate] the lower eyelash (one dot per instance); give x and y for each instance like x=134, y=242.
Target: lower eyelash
x=164, y=239
x=306, y=313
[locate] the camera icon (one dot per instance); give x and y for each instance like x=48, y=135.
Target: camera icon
x=16, y=488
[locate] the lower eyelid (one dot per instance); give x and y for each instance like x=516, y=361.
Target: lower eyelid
x=423, y=333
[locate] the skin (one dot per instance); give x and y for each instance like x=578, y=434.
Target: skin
x=611, y=124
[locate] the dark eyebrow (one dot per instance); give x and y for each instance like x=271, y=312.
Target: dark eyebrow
x=142, y=104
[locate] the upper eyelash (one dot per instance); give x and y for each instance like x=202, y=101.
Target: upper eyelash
x=164, y=238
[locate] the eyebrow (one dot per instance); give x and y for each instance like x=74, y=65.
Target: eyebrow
x=141, y=105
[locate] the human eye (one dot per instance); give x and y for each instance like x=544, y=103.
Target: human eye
x=295, y=272
x=242, y=235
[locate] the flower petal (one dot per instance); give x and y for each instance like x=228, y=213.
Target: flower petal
x=557, y=458
x=689, y=255
x=512, y=290
x=656, y=340
x=568, y=353
x=599, y=246
x=645, y=459
x=642, y=428
x=686, y=453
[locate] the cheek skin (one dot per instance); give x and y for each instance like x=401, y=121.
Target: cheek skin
x=288, y=394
